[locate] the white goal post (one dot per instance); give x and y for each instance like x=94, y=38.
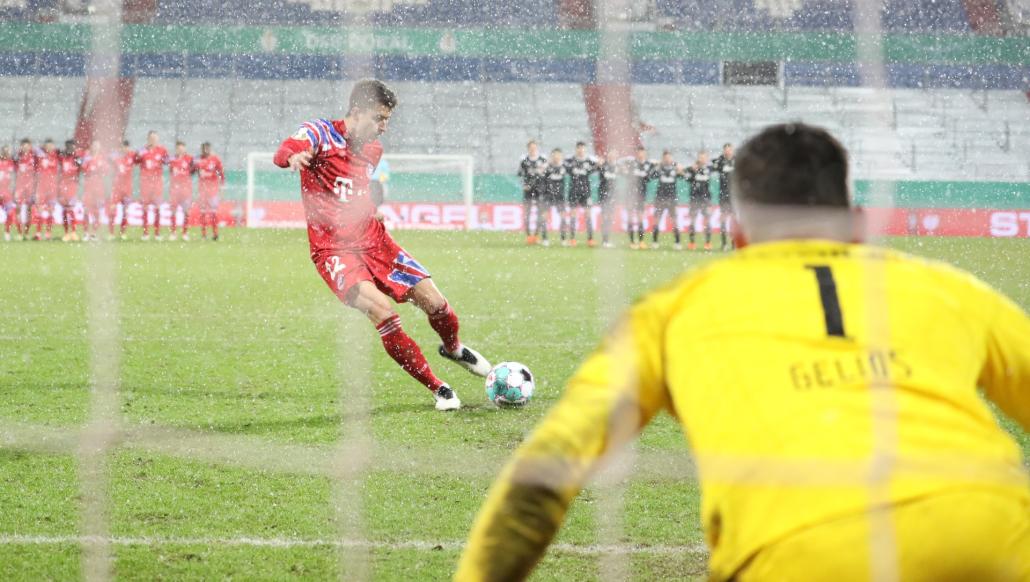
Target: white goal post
x=273, y=192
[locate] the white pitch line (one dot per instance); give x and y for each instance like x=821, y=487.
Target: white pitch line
x=564, y=548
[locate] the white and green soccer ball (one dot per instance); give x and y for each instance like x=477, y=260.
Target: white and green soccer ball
x=509, y=384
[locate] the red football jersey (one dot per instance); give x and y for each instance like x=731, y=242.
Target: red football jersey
x=26, y=182
x=46, y=171
x=152, y=161
x=211, y=174
x=123, y=164
x=69, y=165
x=94, y=170
x=181, y=169
x=7, y=170
x=340, y=213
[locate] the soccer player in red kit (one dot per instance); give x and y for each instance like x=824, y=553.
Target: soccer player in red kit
x=180, y=193
x=94, y=185
x=350, y=247
x=47, y=166
x=211, y=176
x=152, y=160
x=25, y=186
x=121, y=192
x=68, y=188
x=7, y=171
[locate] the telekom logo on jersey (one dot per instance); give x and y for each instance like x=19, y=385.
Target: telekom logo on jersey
x=343, y=188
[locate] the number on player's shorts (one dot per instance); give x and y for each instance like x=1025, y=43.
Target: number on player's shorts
x=343, y=188
x=831, y=301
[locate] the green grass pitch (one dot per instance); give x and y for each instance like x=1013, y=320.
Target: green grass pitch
x=241, y=340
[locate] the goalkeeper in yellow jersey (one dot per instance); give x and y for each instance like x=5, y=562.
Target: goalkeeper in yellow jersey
x=833, y=412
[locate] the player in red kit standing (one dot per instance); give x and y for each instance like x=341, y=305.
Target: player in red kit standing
x=94, y=185
x=25, y=186
x=351, y=249
x=121, y=191
x=152, y=160
x=180, y=192
x=46, y=189
x=211, y=176
x=68, y=188
x=7, y=171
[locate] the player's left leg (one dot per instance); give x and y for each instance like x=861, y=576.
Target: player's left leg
x=213, y=219
x=725, y=218
x=642, y=215
x=186, y=210
x=588, y=212
x=692, y=226
x=706, y=213
x=674, y=219
x=659, y=217
x=427, y=297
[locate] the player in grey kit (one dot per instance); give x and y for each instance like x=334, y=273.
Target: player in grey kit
x=699, y=175
x=724, y=165
x=667, y=198
x=608, y=172
x=579, y=168
x=554, y=194
x=531, y=171
x=643, y=171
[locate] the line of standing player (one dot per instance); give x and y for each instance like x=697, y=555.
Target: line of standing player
x=564, y=185
x=39, y=182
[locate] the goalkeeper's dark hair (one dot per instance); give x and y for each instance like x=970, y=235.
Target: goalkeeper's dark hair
x=792, y=164
x=367, y=94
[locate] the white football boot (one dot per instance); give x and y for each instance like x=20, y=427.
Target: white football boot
x=446, y=399
x=469, y=359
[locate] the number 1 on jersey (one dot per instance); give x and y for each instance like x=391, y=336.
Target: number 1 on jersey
x=830, y=300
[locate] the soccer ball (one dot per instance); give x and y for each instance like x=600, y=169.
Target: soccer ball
x=509, y=384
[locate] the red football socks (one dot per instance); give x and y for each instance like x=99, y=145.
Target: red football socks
x=445, y=323
x=406, y=352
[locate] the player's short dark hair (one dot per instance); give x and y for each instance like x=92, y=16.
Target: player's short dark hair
x=727, y=145
x=69, y=142
x=48, y=140
x=792, y=164
x=206, y=144
x=581, y=144
x=641, y=148
x=370, y=93
x=179, y=143
x=666, y=152
x=556, y=151
x=25, y=140
x=151, y=132
x=125, y=143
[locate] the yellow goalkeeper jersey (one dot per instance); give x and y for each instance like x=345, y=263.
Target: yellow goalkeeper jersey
x=813, y=380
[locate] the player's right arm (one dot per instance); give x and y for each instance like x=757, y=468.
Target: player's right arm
x=613, y=395
x=297, y=151
x=1005, y=376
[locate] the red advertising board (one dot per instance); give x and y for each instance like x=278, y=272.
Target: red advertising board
x=508, y=217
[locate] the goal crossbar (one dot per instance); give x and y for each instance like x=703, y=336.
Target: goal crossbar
x=462, y=163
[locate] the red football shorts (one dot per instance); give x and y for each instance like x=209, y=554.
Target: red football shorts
x=208, y=202
x=180, y=195
x=67, y=192
x=151, y=189
x=46, y=193
x=388, y=266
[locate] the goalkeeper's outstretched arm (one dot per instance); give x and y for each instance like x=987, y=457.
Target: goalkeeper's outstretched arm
x=614, y=394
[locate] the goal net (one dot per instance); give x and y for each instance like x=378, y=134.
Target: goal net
x=418, y=190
